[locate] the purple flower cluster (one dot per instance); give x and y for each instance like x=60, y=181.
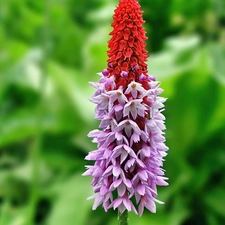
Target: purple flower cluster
x=130, y=144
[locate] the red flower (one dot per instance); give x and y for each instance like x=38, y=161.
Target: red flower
x=127, y=47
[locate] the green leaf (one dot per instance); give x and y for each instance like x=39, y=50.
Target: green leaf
x=77, y=95
x=94, y=51
x=217, y=62
x=215, y=200
x=71, y=205
x=5, y=213
x=212, y=219
x=20, y=125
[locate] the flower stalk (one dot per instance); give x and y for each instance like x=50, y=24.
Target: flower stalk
x=130, y=140
x=123, y=218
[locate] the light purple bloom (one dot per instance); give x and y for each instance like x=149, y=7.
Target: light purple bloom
x=130, y=148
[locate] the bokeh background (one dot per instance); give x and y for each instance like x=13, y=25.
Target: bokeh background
x=49, y=50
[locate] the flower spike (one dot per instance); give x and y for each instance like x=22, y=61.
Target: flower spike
x=130, y=142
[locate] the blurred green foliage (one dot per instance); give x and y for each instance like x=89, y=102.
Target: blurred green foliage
x=49, y=50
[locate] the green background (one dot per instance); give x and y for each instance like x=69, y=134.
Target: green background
x=49, y=50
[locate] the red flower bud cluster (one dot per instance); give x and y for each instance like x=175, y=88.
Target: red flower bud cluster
x=127, y=47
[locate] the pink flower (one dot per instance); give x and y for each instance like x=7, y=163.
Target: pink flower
x=130, y=143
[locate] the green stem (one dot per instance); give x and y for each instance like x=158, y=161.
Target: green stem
x=123, y=218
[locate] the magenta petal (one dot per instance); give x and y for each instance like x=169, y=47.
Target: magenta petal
x=121, y=189
x=127, y=203
x=127, y=182
x=116, y=171
x=141, y=189
x=97, y=202
x=103, y=190
x=143, y=175
x=150, y=205
x=117, y=183
x=122, y=208
x=117, y=202
x=146, y=151
x=137, y=197
x=123, y=156
x=108, y=171
x=160, y=181
x=140, y=209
